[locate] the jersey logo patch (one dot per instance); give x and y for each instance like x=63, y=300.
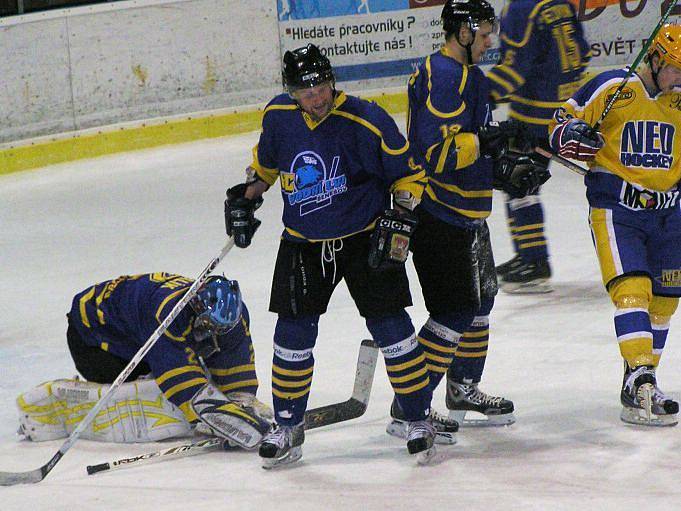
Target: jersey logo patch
x=647, y=144
x=310, y=184
x=635, y=198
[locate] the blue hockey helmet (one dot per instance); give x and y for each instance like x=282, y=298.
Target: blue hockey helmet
x=218, y=305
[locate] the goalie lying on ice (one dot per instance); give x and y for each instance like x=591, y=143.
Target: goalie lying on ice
x=201, y=372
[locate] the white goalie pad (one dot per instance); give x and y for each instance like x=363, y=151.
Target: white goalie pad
x=137, y=412
x=238, y=417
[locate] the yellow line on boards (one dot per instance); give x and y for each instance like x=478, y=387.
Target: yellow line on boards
x=24, y=155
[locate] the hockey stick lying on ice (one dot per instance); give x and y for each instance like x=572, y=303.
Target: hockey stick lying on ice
x=179, y=451
x=357, y=404
x=37, y=475
x=314, y=418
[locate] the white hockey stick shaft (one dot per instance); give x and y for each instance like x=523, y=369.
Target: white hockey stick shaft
x=578, y=169
x=37, y=475
x=179, y=451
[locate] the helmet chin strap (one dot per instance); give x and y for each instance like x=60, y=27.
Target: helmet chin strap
x=469, y=53
x=654, y=73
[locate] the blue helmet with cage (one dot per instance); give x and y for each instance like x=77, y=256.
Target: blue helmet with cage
x=217, y=305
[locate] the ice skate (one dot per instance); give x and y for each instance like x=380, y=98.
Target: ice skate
x=282, y=445
x=528, y=278
x=467, y=397
x=445, y=428
x=643, y=402
x=421, y=441
x=509, y=266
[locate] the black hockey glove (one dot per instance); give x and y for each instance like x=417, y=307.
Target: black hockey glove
x=520, y=174
x=240, y=221
x=390, y=239
x=495, y=137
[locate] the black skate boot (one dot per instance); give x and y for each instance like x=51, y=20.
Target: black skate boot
x=528, y=278
x=509, y=266
x=445, y=428
x=282, y=445
x=421, y=440
x=462, y=398
x=643, y=402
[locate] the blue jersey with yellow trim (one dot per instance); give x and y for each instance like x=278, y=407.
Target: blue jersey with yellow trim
x=119, y=316
x=335, y=174
x=639, y=166
x=448, y=103
x=543, y=55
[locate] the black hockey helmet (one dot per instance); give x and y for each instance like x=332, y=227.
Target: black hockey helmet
x=306, y=67
x=471, y=12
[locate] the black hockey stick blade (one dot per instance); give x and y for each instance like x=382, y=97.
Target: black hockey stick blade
x=32, y=476
x=357, y=404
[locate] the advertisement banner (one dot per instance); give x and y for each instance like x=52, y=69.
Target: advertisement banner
x=367, y=39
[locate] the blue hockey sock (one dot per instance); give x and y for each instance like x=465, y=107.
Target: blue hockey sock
x=405, y=363
x=510, y=220
x=471, y=353
x=527, y=230
x=292, y=367
x=439, y=337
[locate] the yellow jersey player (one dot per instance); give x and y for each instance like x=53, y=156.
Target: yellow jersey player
x=633, y=191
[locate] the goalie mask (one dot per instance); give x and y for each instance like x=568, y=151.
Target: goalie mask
x=217, y=305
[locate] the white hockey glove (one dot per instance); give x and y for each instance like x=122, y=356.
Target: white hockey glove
x=239, y=419
x=576, y=139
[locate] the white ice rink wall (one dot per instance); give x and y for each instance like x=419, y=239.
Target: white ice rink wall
x=108, y=63
x=92, y=66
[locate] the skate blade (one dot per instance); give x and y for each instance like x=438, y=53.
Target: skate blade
x=639, y=417
x=480, y=420
x=399, y=429
x=426, y=457
x=293, y=455
x=534, y=287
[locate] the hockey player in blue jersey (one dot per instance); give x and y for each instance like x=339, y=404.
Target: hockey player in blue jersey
x=338, y=159
x=449, y=126
x=633, y=191
x=202, y=369
x=543, y=56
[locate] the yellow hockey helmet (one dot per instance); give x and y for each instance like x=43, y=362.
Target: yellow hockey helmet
x=667, y=45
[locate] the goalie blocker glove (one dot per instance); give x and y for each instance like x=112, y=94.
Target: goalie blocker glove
x=519, y=174
x=242, y=422
x=240, y=222
x=390, y=239
x=576, y=139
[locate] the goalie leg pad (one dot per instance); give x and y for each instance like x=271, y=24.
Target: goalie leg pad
x=236, y=419
x=137, y=412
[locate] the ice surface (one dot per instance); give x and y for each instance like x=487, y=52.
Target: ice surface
x=68, y=226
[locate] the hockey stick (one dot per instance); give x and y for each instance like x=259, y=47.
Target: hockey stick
x=314, y=418
x=634, y=65
x=179, y=451
x=37, y=475
x=564, y=161
x=357, y=404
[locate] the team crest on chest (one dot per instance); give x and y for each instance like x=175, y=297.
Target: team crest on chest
x=311, y=184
